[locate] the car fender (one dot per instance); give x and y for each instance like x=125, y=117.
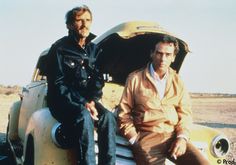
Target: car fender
x=206, y=139
x=39, y=127
x=13, y=119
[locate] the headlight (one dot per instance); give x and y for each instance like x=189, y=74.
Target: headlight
x=220, y=146
x=63, y=136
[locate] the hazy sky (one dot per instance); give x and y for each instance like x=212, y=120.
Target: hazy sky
x=208, y=26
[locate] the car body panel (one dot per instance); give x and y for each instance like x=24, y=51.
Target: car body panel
x=34, y=97
x=39, y=127
x=14, y=120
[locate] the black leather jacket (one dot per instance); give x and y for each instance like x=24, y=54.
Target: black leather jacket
x=73, y=78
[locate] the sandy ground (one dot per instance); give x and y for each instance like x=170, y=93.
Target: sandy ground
x=216, y=112
x=5, y=104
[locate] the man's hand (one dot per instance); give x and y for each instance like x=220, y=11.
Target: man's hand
x=134, y=139
x=93, y=111
x=178, y=148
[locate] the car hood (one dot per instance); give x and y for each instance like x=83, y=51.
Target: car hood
x=127, y=47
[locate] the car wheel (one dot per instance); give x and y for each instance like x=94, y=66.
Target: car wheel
x=8, y=151
x=29, y=156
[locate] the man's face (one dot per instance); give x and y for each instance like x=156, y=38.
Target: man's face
x=162, y=57
x=82, y=24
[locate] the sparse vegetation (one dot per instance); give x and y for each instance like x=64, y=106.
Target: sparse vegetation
x=212, y=95
x=8, y=90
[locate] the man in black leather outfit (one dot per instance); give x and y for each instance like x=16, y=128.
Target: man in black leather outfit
x=75, y=86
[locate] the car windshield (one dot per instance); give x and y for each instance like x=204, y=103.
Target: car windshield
x=39, y=73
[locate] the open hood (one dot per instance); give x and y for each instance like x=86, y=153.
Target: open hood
x=127, y=47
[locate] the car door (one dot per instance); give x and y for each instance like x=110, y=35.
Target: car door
x=33, y=97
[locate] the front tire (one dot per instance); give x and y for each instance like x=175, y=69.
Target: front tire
x=29, y=156
x=8, y=151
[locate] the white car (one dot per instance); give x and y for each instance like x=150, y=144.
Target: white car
x=36, y=138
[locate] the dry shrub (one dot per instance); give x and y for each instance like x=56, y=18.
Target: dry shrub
x=8, y=90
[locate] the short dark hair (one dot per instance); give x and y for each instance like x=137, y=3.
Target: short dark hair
x=71, y=14
x=169, y=39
